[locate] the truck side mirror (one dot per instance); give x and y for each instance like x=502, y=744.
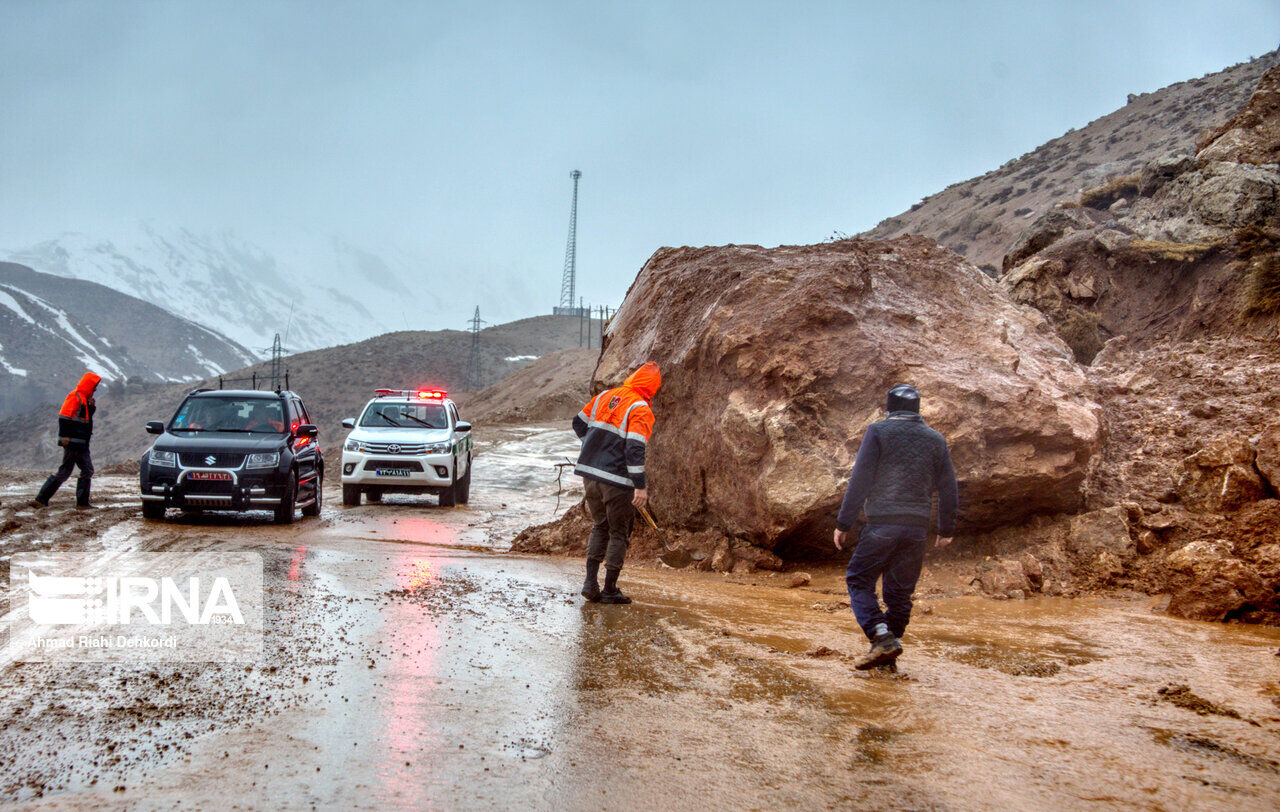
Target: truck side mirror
x=348, y=422
x=462, y=426
x=155, y=427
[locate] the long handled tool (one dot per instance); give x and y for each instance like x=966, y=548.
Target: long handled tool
x=675, y=557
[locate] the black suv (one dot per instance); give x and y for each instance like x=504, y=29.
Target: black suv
x=234, y=450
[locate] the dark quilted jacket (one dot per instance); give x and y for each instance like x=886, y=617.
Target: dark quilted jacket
x=901, y=464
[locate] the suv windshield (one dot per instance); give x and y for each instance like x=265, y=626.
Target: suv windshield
x=253, y=415
x=405, y=415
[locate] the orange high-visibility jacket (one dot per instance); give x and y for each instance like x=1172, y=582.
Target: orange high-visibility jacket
x=75, y=418
x=615, y=426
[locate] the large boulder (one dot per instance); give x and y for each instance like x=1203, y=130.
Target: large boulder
x=776, y=360
x=1221, y=476
x=1268, y=455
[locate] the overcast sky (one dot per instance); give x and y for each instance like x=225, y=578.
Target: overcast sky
x=450, y=128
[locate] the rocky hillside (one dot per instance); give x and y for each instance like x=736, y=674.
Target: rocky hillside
x=52, y=329
x=320, y=291
x=334, y=383
x=980, y=217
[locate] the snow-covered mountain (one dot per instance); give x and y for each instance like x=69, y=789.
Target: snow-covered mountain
x=53, y=329
x=321, y=292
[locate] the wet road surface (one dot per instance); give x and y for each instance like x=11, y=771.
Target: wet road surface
x=411, y=662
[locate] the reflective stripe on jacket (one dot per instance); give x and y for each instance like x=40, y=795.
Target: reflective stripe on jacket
x=75, y=418
x=615, y=426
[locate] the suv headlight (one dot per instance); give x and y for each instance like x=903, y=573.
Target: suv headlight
x=352, y=445
x=165, y=459
x=267, y=460
x=438, y=448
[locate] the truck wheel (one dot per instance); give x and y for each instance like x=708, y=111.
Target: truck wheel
x=284, y=510
x=449, y=496
x=350, y=495
x=463, y=487
x=153, y=510
x=313, y=509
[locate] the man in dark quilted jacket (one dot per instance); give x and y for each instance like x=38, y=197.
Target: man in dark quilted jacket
x=901, y=464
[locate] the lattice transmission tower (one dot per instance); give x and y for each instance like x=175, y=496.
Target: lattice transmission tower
x=473, y=359
x=569, y=281
x=277, y=363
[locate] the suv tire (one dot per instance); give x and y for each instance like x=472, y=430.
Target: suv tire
x=313, y=509
x=153, y=510
x=350, y=495
x=449, y=496
x=463, y=488
x=284, y=510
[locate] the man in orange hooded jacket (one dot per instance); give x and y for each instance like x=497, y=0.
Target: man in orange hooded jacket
x=75, y=426
x=615, y=426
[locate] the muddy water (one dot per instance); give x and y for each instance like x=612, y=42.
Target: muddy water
x=411, y=663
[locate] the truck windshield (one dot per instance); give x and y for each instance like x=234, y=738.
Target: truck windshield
x=250, y=415
x=405, y=415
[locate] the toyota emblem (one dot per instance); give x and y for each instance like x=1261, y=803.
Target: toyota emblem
x=210, y=460
x=394, y=448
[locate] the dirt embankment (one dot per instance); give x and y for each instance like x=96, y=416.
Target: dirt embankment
x=554, y=387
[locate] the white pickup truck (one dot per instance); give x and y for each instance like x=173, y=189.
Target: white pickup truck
x=407, y=441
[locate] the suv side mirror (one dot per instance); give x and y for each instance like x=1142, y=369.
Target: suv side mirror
x=155, y=427
x=348, y=422
x=462, y=426
x=307, y=430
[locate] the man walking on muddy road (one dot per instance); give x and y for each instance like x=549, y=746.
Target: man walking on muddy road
x=615, y=427
x=901, y=464
x=75, y=426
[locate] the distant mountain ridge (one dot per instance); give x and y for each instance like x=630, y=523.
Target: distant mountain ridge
x=979, y=218
x=53, y=329
x=321, y=292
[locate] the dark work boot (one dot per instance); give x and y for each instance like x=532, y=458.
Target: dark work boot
x=591, y=586
x=47, y=490
x=884, y=649
x=610, y=593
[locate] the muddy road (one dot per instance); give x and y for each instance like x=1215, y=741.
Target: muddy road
x=411, y=661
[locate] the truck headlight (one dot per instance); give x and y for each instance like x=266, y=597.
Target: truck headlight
x=438, y=448
x=351, y=445
x=266, y=460
x=163, y=459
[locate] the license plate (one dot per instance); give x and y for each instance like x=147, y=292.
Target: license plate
x=216, y=476
x=392, y=472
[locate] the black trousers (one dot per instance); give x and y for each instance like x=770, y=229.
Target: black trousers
x=611, y=518
x=73, y=456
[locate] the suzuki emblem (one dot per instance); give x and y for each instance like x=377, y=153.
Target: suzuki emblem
x=210, y=460
x=394, y=448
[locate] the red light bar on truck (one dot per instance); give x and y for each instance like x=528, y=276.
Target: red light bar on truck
x=423, y=394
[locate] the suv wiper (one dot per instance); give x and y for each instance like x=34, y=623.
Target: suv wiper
x=423, y=422
x=238, y=431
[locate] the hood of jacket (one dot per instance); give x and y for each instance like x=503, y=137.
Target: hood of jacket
x=88, y=382
x=81, y=394
x=645, y=381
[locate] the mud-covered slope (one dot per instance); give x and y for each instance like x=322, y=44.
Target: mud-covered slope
x=980, y=217
x=554, y=387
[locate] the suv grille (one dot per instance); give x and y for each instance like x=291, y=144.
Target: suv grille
x=395, y=448
x=195, y=459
